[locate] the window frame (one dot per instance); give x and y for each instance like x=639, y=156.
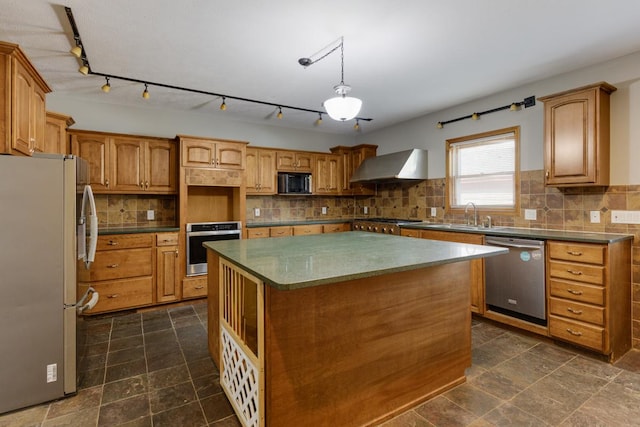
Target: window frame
x=449, y=181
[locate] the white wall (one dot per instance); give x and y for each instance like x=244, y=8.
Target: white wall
x=169, y=123
x=624, y=73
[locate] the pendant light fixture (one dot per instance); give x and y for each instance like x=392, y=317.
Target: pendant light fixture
x=341, y=107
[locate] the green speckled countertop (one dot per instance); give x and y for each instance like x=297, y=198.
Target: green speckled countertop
x=132, y=230
x=532, y=233
x=288, y=263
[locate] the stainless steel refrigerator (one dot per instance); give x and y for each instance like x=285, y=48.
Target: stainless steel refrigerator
x=41, y=200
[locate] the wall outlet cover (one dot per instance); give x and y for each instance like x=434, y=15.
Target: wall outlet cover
x=434, y=211
x=324, y=210
x=530, y=214
x=256, y=211
x=594, y=216
x=366, y=210
x=151, y=215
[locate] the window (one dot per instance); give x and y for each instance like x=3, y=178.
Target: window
x=484, y=169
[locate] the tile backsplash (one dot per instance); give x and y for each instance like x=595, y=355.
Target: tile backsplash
x=130, y=210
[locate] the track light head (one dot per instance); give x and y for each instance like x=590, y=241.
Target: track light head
x=356, y=127
x=145, y=94
x=475, y=116
x=223, y=106
x=84, y=70
x=76, y=51
x=106, y=87
x=439, y=125
x=319, y=120
x=279, y=113
x=305, y=62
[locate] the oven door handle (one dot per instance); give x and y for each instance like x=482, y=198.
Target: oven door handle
x=509, y=245
x=212, y=233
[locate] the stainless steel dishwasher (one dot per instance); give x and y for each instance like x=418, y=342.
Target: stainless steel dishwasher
x=515, y=281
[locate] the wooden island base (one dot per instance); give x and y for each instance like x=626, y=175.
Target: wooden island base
x=359, y=352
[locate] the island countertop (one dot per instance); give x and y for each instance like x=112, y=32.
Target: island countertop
x=288, y=263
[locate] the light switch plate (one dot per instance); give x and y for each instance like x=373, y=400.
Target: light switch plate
x=530, y=214
x=256, y=211
x=434, y=212
x=324, y=210
x=366, y=210
x=151, y=215
x=594, y=216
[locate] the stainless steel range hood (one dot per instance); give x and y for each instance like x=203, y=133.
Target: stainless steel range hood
x=404, y=165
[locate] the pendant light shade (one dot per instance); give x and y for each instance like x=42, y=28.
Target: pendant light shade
x=342, y=107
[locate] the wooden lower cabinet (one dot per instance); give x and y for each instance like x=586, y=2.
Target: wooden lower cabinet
x=589, y=295
x=477, y=265
x=336, y=228
x=303, y=230
x=133, y=270
x=194, y=287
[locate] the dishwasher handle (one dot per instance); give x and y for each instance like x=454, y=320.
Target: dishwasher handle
x=510, y=245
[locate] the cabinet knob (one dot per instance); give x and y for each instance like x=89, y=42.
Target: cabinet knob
x=176, y=253
x=574, y=311
x=574, y=253
x=112, y=243
x=574, y=292
x=199, y=287
x=113, y=296
x=106, y=183
x=546, y=174
x=574, y=272
x=141, y=184
x=113, y=266
x=146, y=184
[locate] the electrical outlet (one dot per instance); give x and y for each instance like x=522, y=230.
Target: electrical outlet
x=256, y=212
x=594, y=216
x=151, y=215
x=324, y=210
x=530, y=214
x=434, y=211
x=366, y=210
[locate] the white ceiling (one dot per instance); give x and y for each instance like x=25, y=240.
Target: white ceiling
x=402, y=58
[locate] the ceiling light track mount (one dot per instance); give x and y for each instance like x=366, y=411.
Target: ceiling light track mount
x=529, y=101
x=86, y=69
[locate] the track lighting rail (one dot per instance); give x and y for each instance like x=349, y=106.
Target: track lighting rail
x=529, y=101
x=85, y=63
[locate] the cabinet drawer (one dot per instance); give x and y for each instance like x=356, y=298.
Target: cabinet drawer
x=121, y=294
x=300, y=230
x=591, y=254
x=121, y=264
x=124, y=241
x=577, y=332
x=579, y=272
x=193, y=288
x=577, y=291
x=257, y=233
x=335, y=228
x=280, y=231
x=410, y=233
x=576, y=310
x=167, y=239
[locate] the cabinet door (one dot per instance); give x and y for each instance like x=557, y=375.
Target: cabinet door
x=357, y=157
x=199, y=154
x=252, y=180
x=304, y=162
x=55, y=138
x=38, y=119
x=167, y=273
x=95, y=150
x=23, y=139
x=285, y=161
x=267, y=172
x=160, y=167
x=230, y=155
x=127, y=162
x=327, y=174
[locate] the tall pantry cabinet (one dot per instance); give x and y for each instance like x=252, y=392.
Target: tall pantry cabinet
x=22, y=103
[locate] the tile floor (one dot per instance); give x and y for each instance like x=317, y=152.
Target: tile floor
x=152, y=369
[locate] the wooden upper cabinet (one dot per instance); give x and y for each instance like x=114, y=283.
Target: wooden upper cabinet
x=352, y=157
x=94, y=148
x=126, y=163
x=576, y=136
x=297, y=161
x=212, y=154
x=22, y=103
x=327, y=178
x=55, y=140
x=261, y=171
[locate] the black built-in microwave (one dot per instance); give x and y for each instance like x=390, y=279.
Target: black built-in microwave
x=294, y=183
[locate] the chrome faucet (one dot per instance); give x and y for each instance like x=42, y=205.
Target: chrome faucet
x=475, y=213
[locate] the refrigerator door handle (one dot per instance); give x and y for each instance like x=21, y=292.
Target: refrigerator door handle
x=93, y=224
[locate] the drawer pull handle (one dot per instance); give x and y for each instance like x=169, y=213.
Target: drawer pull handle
x=571, y=291
x=576, y=333
x=112, y=243
x=199, y=286
x=571, y=310
x=113, y=296
x=576, y=273
x=113, y=266
x=574, y=253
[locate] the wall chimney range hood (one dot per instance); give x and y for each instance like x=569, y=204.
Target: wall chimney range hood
x=409, y=165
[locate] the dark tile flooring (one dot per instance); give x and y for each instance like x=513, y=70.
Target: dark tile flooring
x=153, y=369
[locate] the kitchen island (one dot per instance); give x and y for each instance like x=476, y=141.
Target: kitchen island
x=341, y=329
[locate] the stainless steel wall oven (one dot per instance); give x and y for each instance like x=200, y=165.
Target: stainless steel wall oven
x=198, y=233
